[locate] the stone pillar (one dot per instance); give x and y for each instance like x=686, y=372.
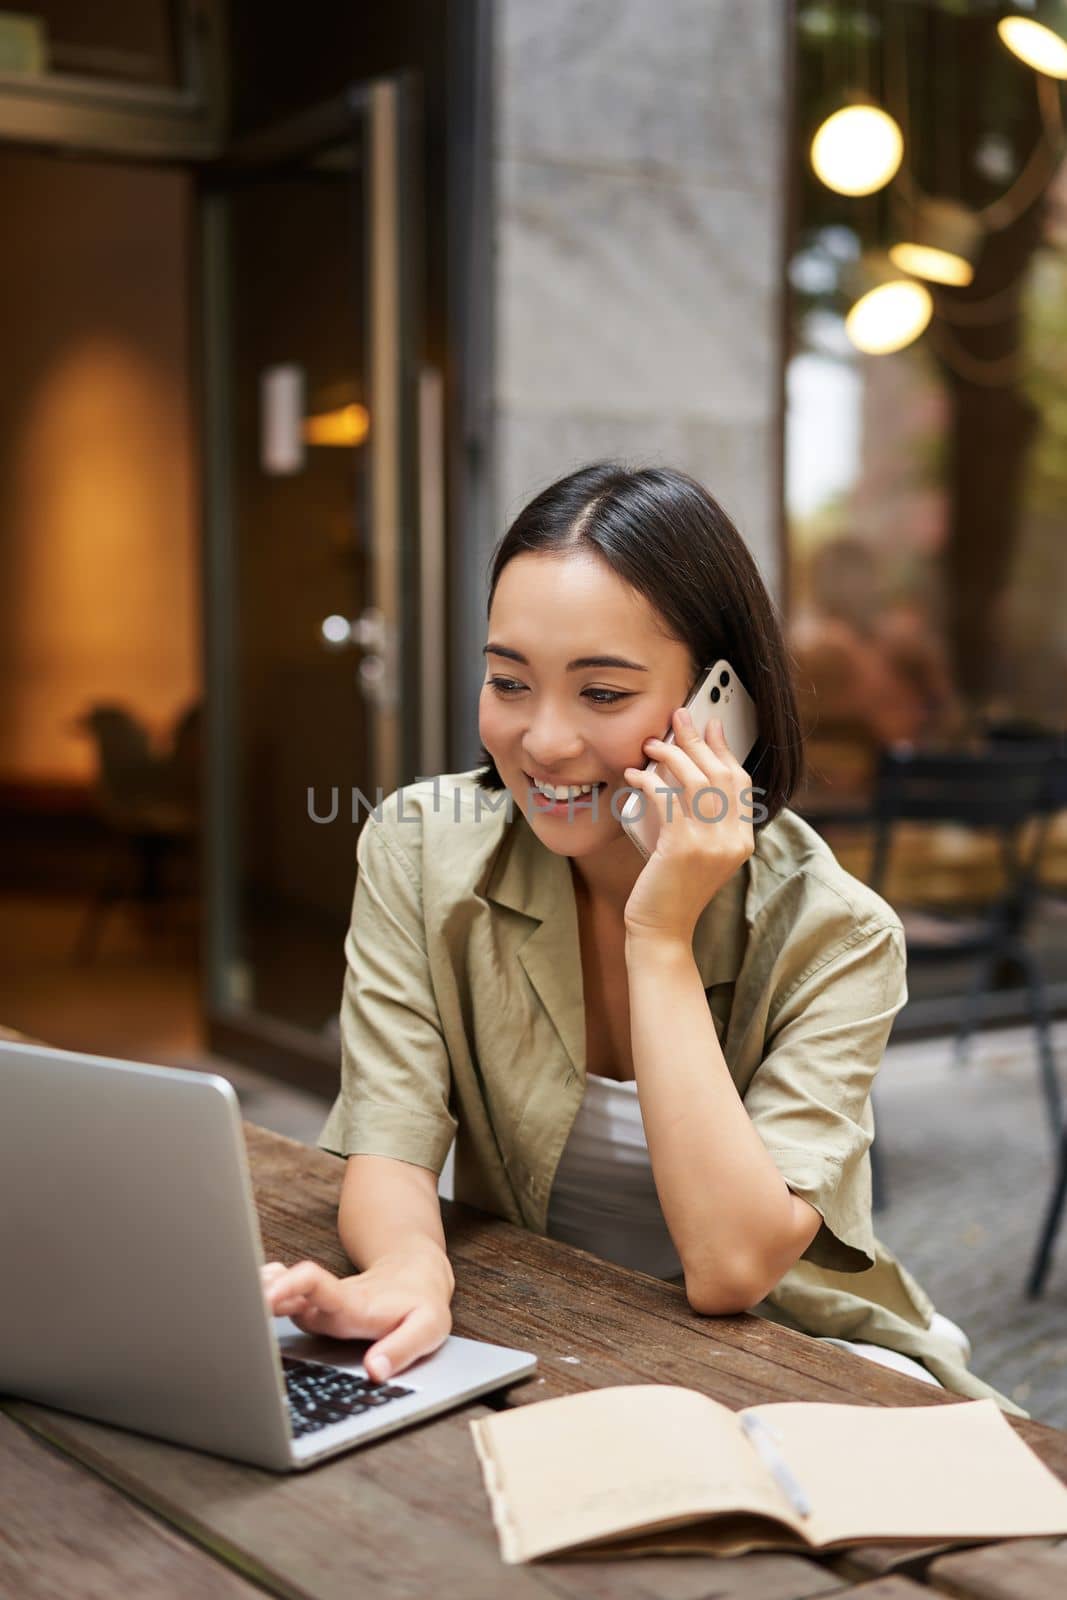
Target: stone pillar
x=637, y=229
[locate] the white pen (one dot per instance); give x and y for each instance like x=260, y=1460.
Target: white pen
x=772, y=1458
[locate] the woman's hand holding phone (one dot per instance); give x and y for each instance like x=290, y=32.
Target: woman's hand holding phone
x=703, y=837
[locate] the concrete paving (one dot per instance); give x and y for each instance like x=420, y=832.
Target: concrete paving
x=968, y=1157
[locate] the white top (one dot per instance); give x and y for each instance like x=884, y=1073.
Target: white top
x=604, y=1198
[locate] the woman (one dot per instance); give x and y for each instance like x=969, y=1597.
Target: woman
x=668, y=1061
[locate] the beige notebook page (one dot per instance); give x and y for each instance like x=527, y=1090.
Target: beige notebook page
x=616, y=1460
x=912, y=1472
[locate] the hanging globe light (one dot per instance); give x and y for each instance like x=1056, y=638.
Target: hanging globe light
x=858, y=148
x=941, y=243
x=1036, y=32
x=891, y=312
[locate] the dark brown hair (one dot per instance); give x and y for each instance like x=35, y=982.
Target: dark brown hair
x=671, y=541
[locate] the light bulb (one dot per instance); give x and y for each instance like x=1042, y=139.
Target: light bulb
x=1036, y=44
x=941, y=241
x=889, y=317
x=939, y=266
x=857, y=150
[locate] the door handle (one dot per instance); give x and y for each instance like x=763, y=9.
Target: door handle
x=373, y=635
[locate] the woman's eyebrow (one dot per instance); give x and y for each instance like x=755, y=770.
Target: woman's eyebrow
x=572, y=666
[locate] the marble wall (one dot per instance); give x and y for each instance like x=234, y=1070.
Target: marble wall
x=638, y=210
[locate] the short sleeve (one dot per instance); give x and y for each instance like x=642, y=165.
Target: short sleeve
x=809, y=1098
x=395, y=1069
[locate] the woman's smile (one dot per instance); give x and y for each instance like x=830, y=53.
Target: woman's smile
x=564, y=798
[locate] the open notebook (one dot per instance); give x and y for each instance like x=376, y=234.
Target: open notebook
x=648, y=1467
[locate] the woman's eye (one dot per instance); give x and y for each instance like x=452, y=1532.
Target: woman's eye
x=598, y=697
x=606, y=697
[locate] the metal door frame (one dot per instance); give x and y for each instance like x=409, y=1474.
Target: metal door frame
x=406, y=536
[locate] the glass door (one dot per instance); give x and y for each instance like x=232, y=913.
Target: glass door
x=313, y=558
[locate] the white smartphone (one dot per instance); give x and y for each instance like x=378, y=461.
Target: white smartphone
x=720, y=693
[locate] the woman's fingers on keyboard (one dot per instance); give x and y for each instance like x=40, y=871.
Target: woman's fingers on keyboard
x=406, y=1324
x=311, y=1319
x=421, y=1331
x=271, y=1273
x=296, y=1289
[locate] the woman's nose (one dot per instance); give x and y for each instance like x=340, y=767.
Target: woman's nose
x=550, y=739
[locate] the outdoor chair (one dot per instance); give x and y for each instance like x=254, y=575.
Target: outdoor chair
x=148, y=803
x=1003, y=789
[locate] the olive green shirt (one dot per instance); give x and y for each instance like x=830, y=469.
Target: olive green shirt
x=463, y=1015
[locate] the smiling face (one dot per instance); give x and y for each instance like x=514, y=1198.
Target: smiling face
x=579, y=672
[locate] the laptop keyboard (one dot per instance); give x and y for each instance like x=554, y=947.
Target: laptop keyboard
x=319, y=1395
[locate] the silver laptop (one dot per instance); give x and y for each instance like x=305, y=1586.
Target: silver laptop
x=131, y=1259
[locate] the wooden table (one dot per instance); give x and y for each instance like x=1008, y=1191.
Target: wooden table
x=87, y=1510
